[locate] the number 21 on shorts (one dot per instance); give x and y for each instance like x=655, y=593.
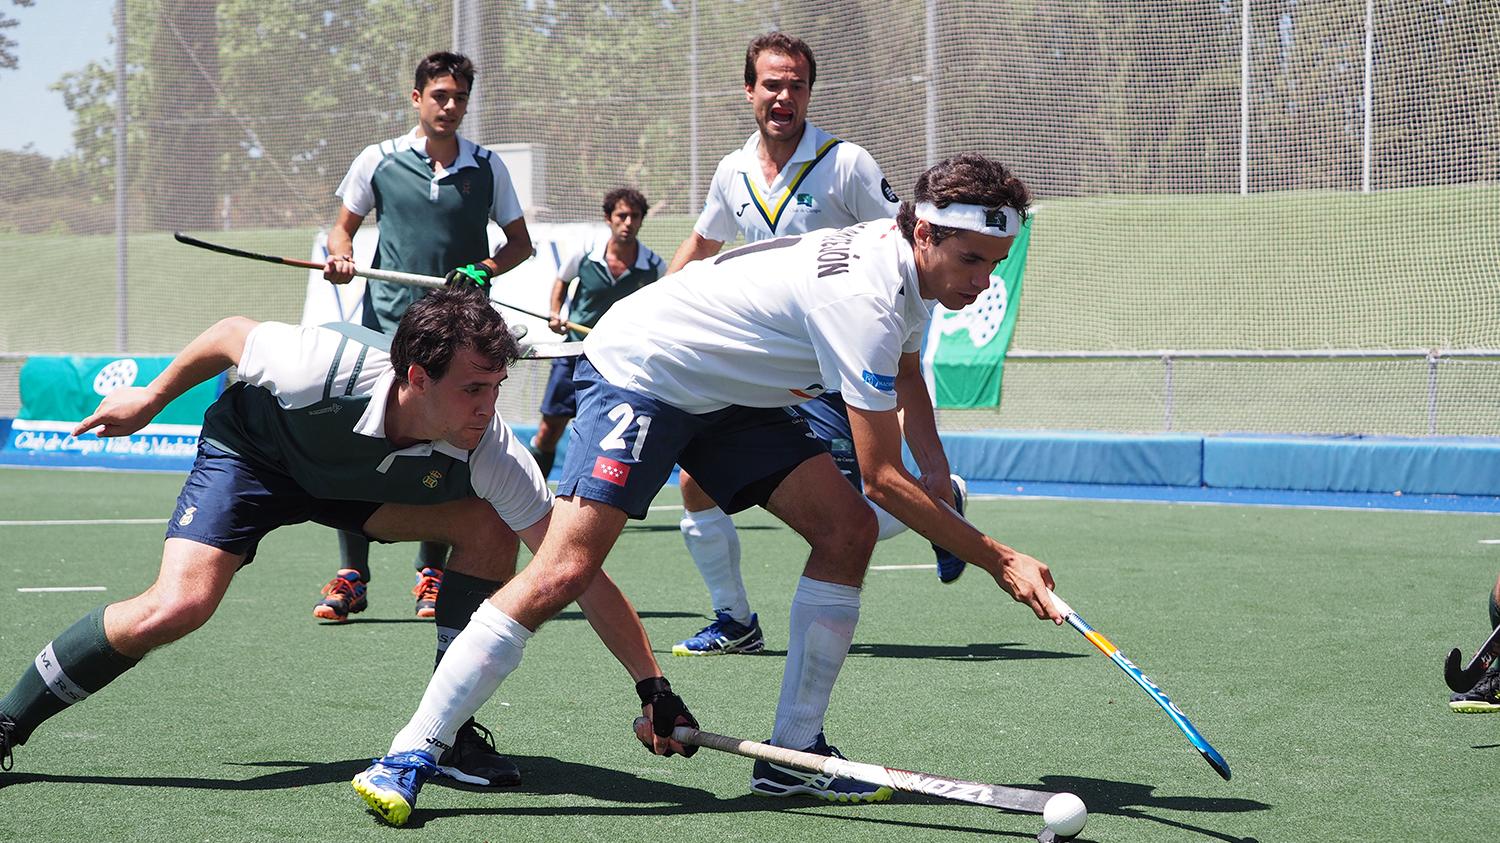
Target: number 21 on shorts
x=622, y=415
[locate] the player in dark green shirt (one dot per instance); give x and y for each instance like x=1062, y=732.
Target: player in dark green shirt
x=434, y=194
x=607, y=270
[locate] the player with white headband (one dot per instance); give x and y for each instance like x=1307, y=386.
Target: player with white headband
x=698, y=369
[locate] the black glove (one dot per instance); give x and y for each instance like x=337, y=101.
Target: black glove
x=475, y=276
x=667, y=710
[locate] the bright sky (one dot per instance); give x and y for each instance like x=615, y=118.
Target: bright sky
x=55, y=37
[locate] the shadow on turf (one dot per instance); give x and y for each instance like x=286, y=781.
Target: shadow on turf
x=986, y=652
x=1135, y=801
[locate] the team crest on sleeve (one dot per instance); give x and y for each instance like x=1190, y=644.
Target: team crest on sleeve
x=890, y=194
x=884, y=383
x=611, y=471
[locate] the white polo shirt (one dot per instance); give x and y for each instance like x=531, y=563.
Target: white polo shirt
x=828, y=183
x=772, y=324
x=359, y=195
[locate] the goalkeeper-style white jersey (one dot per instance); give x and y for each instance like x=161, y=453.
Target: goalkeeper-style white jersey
x=828, y=183
x=772, y=324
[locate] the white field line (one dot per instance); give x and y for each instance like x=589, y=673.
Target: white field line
x=1489, y=541
x=61, y=588
x=83, y=522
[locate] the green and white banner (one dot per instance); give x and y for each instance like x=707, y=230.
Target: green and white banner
x=965, y=352
x=58, y=391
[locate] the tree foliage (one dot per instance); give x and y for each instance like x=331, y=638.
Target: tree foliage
x=248, y=112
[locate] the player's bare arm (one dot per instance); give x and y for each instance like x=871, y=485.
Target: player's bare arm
x=919, y=427
x=130, y=408
x=517, y=247
x=340, y=268
x=554, y=309
x=877, y=443
x=695, y=247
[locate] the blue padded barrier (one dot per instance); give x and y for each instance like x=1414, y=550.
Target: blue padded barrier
x=1074, y=457
x=1429, y=465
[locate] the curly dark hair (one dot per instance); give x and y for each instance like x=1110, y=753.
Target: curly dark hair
x=779, y=42
x=444, y=63
x=969, y=178
x=444, y=321
x=629, y=195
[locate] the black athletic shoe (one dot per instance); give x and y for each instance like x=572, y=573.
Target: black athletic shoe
x=473, y=759
x=1483, y=698
x=7, y=726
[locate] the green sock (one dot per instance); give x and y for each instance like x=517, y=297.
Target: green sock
x=457, y=600
x=354, y=552
x=431, y=555
x=77, y=663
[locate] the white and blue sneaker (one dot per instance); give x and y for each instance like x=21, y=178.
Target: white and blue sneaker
x=949, y=567
x=723, y=637
x=769, y=779
x=391, y=784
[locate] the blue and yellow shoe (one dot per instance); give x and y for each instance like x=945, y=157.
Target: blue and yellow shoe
x=950, y=567
x=723, y=637
x=1483, y=698
x=769, y=779
x=391, y=784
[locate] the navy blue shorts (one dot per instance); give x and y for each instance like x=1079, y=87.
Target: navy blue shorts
x=828, y=416
x=624, y=444
x=559, y=399
x=230, y=503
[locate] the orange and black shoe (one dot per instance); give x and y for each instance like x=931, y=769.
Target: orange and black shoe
x=343, y=596
x=426, y=592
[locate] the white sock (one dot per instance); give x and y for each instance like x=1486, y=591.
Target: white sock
x=477, y=661
x=714, y=545
x=886, y=523
x=822, y=628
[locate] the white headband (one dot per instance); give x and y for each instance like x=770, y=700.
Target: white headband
x=1004, y=221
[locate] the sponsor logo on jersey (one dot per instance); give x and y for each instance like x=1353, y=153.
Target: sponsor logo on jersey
x=331, y=408
x=812, y=390
x=432, y=478
x=884, y=383
x=741, y=211
x=187, y=516
x=611, y=471
x=805, y=200
x=887, y=192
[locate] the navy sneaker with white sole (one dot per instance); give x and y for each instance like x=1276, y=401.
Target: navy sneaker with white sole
x=950, y=567
x=768, y=779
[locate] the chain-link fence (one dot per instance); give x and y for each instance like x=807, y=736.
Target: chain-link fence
x=1209, y=174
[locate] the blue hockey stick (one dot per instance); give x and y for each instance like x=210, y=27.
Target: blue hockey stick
x=1211, y=755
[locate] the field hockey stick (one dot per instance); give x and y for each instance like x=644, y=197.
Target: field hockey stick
x=410, y=279
x=1211, y=755
x=1019, y=800
x=1462, y=679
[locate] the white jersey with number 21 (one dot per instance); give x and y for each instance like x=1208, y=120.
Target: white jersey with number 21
x=772, y=324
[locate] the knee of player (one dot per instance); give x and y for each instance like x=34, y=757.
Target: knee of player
x=567, y=578
x=853, y=534
x=170, y=615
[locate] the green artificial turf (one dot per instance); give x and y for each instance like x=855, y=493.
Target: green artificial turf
x=1305, y=644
